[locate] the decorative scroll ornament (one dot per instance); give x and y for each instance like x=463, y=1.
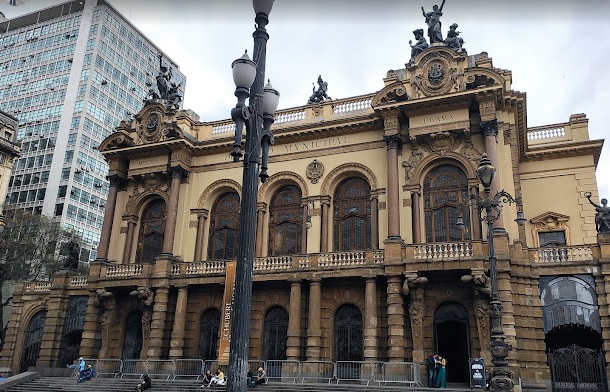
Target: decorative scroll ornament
x=314, y=171
x=411, y=164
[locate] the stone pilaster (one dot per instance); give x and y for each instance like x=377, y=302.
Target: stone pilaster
x=370, y=319
x=314, y=333
x=202, y=217
x=176, y=350
x=131, y=227
x=396, y=320
x=178, y=174
x=393, y=145
x=293, y=344
x=157, y=325
x=261, y=210
x=90, y=337
x=104, y=245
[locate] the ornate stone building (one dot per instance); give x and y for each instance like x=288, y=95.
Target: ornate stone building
x=358, y=257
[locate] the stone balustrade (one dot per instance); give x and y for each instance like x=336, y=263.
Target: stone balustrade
x=443, y=250
x=329, y=110
x=124, y=270
x=38, y=287
x=563, y=254
x=78, y=281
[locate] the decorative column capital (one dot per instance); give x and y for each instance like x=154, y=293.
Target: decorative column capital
x=178, y=172
x=489, y=128
x=393, y=142
x=390, y=123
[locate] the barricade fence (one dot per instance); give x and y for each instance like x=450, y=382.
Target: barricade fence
x=282, y=371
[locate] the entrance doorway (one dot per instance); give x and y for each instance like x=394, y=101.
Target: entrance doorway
x=452, y=341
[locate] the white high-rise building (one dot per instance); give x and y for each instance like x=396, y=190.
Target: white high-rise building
x=70, y=73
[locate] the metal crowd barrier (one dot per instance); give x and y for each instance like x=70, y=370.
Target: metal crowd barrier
x=189, y=368
x=283, y=371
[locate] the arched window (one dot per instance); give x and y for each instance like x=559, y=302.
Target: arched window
x=152, y=227
x=132, y=345
x=208, y=334
x=285, y=222
x=352, y=215
x=73, y=330
x=348, y=334
x=33, y=338
x=445, y=189
x=276, y=334
x=223, y=227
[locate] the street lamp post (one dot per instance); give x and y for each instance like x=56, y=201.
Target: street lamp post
x=257, y=117
x=501, y=379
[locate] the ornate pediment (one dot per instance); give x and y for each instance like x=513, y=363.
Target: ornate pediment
x=118, y=140
x=394, y=92
x=437, y=70
x=550, y=221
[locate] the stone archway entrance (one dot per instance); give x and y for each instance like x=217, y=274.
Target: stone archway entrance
x=452, y=340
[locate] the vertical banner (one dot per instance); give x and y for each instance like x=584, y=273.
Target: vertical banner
x=227, y=314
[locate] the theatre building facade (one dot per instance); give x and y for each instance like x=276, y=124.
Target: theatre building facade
x=358, y=256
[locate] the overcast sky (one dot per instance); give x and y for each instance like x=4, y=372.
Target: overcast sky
x=557, y=50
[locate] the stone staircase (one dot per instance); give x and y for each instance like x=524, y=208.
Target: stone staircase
x=32, y=382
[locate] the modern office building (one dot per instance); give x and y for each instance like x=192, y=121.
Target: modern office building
x=9, y=149
x=359, y=263
x=70, y=73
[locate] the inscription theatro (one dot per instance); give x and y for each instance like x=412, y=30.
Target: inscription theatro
x=438, y=119
x=310, y=145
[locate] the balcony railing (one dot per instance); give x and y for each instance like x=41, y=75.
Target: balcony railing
x=443, y=250
x=563, y=254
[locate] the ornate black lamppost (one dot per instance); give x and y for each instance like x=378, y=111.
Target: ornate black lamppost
x=501, y=379
x=249, y=77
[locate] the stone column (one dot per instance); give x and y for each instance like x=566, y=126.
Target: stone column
x=293, y=344
x=176, y=350
x=374, y=222
x=260, y=228
x=314, y=333
x=102, y=249
x=131, y=227
x=414, y=287
x=474, y=216
x=393, y=145
x=370, y=319
x=489, y=129
x=202, y=217
x=157, y=326
x=304, y=214
x=396, y=320
x=325, y=203
x=415, y=211
x=178, y=174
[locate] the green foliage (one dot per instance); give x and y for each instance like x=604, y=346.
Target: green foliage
x=30, y=247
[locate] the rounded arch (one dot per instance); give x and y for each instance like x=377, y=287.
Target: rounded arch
x=449, y=158
x=216, y=189
x=209, y=329
x=275, y=333
x=134, y=207
x=348, y=333
x=33, y=340
x=338, y=174
x=452, y=338
x=280, y=179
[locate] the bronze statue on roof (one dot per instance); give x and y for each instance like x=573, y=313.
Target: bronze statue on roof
x=320, y=94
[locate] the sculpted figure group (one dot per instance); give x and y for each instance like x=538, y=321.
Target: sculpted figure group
x=435, y=35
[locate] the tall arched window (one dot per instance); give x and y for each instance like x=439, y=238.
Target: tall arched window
x=445, y=189
x=33, y=338
x=73, y=330
x=276, y=334
x=152, y=227
x=223, y=227
x=132, y=344
x=208, y=334
x=352, y=215
x=285, y=222
x=348, y=334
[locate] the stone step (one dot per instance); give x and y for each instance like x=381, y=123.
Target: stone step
x=68, y=384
